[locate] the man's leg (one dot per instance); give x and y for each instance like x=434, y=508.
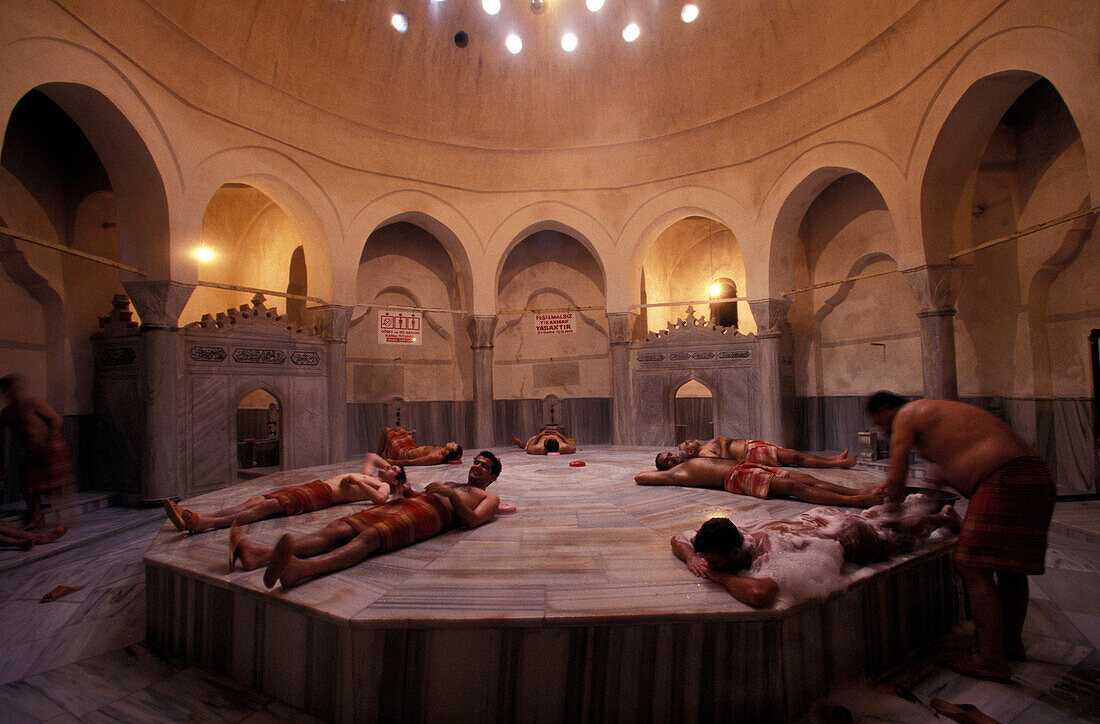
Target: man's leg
x=33, y=518
x=15, y=538
x=255, y=555
x=384, y=440
x=989, y=661
x=1014, y=591
x=806, y=460
x=290, y=570
x=818, y=492
x=250, y=511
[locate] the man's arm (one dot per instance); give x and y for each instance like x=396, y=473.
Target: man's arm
x=432, y=458
x=471, y=517
x=375, y=490
x=695, y=563
x=373, y=462
x=49, y=415
x=902, y=440
x=755, y=592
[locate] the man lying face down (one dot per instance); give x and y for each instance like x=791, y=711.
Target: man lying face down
x=822, y=538
x=348, y=540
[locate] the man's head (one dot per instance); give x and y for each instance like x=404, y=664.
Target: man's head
x=10, y=386
x=484, y=470
x=881, y=409
x=452, y=451
x=718, y=542
x=393, y=474
x=668, y=460
x=689, y=448
x=552, y=445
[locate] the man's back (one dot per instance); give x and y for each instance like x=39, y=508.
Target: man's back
x=967, y=443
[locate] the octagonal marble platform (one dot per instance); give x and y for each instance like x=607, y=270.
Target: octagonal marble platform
x=572, y=608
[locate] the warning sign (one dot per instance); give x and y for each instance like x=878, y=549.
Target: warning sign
x=399, y=327
x=556, y=323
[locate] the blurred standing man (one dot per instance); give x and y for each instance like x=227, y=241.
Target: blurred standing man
x=1004, y=534
x=45, y=454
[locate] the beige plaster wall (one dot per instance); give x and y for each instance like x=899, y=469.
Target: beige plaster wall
x=550, y=270
x=404, y=265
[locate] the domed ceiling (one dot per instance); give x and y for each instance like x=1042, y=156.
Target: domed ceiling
x=344, y=58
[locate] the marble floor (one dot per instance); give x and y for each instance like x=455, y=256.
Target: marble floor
x=81, y=658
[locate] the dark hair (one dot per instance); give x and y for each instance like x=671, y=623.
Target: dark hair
x=493, y=458
x=552, y=445
x=7, y=381
x=660, y=466
x=455, y=454
x=400, y=477
x=718, y=535
x=881, y=399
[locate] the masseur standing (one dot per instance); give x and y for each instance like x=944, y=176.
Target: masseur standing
x=1004, y=534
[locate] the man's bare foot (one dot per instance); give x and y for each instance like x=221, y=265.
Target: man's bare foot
x=292, y=573
x=951, y=519
x=52, y=535
x=192, y=521
x=250, y=555
x=847, y=463
x=870, y=499
x=519, y=443
x=972, y=665
x=174, y=513
x=280, y=557
x=235, y=538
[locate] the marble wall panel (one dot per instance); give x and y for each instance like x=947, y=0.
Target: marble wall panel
x=211, y=432
x=306, y=422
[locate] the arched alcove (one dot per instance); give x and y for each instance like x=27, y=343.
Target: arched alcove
x=249, y=240
x=686, y=260
x=694, y=412
x=258, y=433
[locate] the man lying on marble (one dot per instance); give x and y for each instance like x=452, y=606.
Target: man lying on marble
x=348, y=540
x=378, y=482
x=547, y=441
x=803, y=556
x=397, y=446
x=753, y=451
x=742, y=477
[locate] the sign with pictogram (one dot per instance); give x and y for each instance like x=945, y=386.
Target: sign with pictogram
x=399, y=327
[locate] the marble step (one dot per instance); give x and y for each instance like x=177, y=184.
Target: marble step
x=61, y=508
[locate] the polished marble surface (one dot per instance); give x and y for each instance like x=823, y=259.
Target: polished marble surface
x=53, y=659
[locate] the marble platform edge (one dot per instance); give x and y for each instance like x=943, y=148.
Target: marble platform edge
x=754, y=670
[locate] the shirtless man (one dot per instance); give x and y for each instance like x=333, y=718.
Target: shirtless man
x=547, y=441
x=346, y=541
x=12, y=537
x=717, y=550
x=1004, y=534
x=376, y=483
x=397, y=446
x=759, y=481
x=45, y=453
x=759, y=452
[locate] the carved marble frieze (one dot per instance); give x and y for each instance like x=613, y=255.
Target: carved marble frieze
x=253, y=337
x=691, y=343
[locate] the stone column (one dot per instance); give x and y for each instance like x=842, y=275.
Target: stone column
x=771, y=325
x=331, y=321
x=620, y=325
x=482, y=327
x=934, y=286
x=159, y=304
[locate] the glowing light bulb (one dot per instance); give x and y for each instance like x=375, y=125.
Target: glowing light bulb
x=569, y=42
x=689, y=12
x=513, y=43
x=715, y=290
x=631, y=32
x=204, y=254
x=400, y=22
x=594, y=5
x=491, y=6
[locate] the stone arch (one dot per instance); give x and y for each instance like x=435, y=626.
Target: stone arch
x=289, y=185
x=545, y=216
x=437, y=217
x=127, y=136
x=242, y=390
x=1008, y=62
x=794, y=190
x=664, y=210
